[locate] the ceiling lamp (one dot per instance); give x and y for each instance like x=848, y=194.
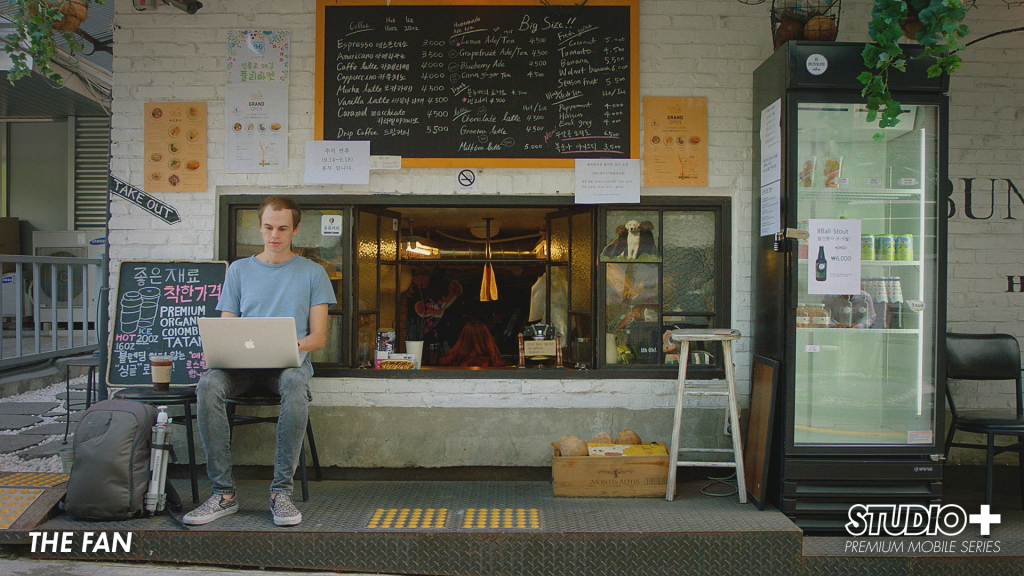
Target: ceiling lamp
x=413, y=245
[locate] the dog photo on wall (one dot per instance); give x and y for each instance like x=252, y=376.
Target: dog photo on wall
x=634, y=240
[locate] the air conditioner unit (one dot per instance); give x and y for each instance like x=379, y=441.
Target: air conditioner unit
x=67, y=244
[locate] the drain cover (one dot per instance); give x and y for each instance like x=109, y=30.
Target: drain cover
x=33, y=479
x=501, y=518
x=422, y=518
x=14, y=502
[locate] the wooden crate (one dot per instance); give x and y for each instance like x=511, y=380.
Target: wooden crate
x=608, y=476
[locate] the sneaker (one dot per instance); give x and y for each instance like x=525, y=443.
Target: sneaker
x=285, y=513
x=216, y=507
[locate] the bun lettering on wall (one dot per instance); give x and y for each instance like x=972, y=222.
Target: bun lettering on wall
x=505, y=85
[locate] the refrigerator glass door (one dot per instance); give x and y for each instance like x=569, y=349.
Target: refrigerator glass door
x=866, y=285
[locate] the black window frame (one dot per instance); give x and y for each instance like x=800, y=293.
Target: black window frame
x=348, y=204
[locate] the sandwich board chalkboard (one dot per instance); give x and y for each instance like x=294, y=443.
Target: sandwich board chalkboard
x=491, y=83
x=158, y=306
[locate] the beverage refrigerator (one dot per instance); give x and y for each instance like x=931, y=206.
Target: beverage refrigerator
x=848, y=269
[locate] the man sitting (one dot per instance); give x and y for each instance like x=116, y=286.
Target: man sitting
x=274, y=283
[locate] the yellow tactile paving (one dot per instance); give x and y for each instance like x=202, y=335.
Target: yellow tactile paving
x=422, y=518
x=14, y=502
x=46, y=479
x=506, y=518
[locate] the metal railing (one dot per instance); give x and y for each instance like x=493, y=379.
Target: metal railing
x=62, y=296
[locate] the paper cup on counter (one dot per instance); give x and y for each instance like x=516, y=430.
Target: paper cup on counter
x=611, y=353
x=415, y=347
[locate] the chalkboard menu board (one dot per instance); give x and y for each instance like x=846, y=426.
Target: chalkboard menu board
x=501, y=83
x=158, y=305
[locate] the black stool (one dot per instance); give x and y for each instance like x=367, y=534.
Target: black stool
x=275, y=400
x=93, y=363
x=184, y=396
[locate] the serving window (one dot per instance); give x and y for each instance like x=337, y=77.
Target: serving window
x=463, y=278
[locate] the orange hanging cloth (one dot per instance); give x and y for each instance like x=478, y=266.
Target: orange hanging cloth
x=488, y=285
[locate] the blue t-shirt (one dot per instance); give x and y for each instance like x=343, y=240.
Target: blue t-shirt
x=259, y=290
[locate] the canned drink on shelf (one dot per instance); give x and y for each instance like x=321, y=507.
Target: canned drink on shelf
x=905, y=247
x=885, y=247
x=867, y=247
x=386, y=340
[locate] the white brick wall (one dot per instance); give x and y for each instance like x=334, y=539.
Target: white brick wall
x=628, y=394
x=987, y=142
x=687, y=48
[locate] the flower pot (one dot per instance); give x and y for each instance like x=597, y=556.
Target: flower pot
x=74, y=12
x=911, y=25
x=787, y=30
x=821, y=28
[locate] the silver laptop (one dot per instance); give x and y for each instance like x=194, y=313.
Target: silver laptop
x=249, y=342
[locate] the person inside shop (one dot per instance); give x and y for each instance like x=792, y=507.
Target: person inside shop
x=277, y=282
x=475, y=347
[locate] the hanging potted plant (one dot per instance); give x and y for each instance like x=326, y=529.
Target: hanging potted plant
x=38, y=24
x=938, y=31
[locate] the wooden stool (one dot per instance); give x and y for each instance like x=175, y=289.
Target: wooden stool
x=684, y=337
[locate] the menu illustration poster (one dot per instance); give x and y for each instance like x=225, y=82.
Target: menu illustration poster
x=675, y=141
x=174, y=149
x=256, y=102
x=257, y=128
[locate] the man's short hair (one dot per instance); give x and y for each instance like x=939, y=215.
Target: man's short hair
x=280, y=203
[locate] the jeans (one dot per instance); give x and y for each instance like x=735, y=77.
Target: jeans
x=215, y=386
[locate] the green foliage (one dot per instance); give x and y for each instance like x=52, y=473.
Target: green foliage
x=34, y=35
x=941, y=37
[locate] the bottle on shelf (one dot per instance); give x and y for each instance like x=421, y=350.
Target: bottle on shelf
x=820, y=318
x=894, y=315
x=803, y=316
x=843, y=313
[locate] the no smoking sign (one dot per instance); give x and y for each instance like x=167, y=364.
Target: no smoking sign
x=465, y=180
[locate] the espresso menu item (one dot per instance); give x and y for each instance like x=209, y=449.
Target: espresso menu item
x=158, y=308
x=481, y=81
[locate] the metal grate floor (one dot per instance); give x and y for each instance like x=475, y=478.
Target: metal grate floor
x=472, y=528
x=350, y=506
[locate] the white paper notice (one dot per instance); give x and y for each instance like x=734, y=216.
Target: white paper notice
x=607, y=181
x=332, y=162
x=771, y=168
x=385, y=162
x=771, y=208
x=833, y=263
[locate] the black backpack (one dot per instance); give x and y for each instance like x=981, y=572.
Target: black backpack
x=110, y=477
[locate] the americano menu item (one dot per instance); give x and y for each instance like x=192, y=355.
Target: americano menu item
x=435, y=84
